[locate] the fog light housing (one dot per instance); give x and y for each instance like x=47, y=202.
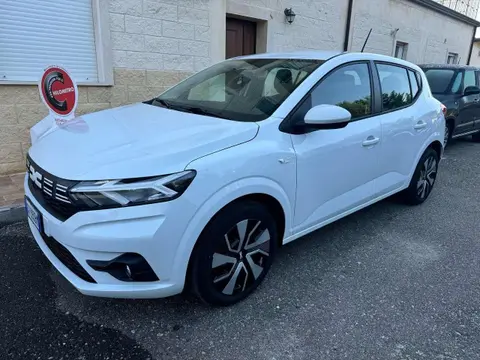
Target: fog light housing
x=126, y=267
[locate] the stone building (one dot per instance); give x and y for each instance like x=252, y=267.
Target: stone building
x=124, y=51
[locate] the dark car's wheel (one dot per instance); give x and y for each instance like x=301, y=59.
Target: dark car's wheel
x=476, y=137
x=423, y=178
x=234, y=253
x=448, y=133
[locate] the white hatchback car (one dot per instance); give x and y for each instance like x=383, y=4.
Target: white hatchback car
x=197, y=188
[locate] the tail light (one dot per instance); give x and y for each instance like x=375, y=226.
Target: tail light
x=444, y=109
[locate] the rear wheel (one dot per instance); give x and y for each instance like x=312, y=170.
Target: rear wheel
x=234, y=253
x=423, y=178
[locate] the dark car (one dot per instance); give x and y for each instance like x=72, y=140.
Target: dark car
x=458, y=88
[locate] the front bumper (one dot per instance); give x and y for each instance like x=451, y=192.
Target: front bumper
x=153, y=231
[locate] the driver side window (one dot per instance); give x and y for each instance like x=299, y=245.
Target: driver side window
x=348, y=87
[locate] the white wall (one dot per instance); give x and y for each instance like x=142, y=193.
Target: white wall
x=475, y=60
x=430, y=35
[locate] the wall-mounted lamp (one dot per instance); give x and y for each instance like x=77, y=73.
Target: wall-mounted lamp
x=290, y=15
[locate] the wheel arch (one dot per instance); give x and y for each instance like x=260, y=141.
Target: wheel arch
x=438, y=147
x=261, y=190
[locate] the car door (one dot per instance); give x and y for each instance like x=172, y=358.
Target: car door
x=467, y=105
x=405, y=124
x=337, y=168
x=476, y=119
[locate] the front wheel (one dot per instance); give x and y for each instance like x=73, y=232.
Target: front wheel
x=423, y=178
x=234, y=253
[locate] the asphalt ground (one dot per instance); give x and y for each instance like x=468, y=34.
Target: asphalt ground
x=389, y=282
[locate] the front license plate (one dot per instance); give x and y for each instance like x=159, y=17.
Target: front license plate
x=33, y=214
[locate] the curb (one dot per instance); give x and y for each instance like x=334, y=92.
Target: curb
x=10, y=215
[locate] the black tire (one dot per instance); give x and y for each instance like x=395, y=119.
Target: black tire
x=476, y=137
x=423, y=179
x=448, y=133
x=216, y=261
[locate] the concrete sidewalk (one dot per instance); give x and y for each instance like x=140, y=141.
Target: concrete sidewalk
x=11, y=190
x=11, y=198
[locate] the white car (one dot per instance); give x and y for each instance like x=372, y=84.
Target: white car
x=196, y=189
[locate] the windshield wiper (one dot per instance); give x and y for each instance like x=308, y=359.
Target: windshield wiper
x=198, y=111
x=164, y=103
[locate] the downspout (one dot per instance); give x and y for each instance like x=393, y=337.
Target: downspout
x=471, y=45
x=347, y=26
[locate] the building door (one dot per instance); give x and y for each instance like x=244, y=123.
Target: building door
x=241, y=37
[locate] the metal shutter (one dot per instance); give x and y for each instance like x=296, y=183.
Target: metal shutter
x=38, y=33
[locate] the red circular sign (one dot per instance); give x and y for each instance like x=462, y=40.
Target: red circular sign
x=58, y=91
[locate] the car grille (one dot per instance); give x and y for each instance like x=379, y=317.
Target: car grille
x=67, y=258
x=50, y=191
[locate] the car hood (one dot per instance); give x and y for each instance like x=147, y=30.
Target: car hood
x=134, y=141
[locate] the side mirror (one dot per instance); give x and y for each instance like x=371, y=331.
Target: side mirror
x=327, y=117
x=471, y=90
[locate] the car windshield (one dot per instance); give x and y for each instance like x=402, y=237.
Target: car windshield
x=443, y=81
x=241, y=90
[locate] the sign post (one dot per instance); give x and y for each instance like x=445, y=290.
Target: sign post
x=60, y=94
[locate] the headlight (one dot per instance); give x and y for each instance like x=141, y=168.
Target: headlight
x=114, y=193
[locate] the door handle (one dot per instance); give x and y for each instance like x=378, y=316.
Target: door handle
x=420, y=125
x=370, y=141
x=475, y=100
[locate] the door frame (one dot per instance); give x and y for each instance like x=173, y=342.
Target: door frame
x=220, y=10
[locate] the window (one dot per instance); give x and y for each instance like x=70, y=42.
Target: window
x=401, y=50
x=348, y=87
x=469, y=79
x=413, y=83
x=395, y=86
x=36, y=33
x=457, y=84
x=452, y=58
x=444, y=81
x=242, y=90
x=269, y=88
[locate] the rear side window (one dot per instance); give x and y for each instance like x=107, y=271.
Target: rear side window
x=395, y=84
x=348, y=87
x=444, y=81
x=413, y=83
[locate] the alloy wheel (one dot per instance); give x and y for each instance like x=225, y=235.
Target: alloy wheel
x=241, y=258
x=428, y=174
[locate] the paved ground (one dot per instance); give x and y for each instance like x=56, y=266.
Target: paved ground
x=11, y=190
x=391, y=282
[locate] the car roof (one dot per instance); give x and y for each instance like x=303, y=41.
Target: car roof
x=304, y=55
x=327, y=55
x=448, y=66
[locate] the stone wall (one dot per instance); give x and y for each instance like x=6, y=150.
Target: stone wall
x=430, y=35
x=157, y=43
x=21, y=107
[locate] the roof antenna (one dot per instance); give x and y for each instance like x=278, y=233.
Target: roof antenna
x=366, y=40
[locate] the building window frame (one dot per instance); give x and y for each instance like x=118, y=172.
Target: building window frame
x=452, y=58
x=103, y=48
x=401, y=50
